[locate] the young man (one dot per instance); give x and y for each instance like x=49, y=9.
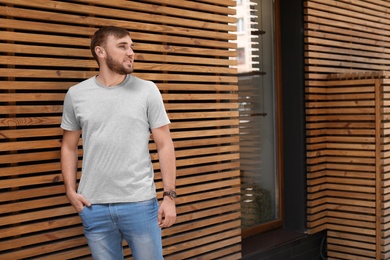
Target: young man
x=115, y=112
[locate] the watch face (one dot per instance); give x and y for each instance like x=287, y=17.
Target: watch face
x=173, y=195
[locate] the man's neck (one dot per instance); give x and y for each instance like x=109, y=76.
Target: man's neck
x=110, y=79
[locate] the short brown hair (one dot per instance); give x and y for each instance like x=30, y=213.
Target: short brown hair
x=101, y=35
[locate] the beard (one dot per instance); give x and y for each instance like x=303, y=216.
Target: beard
x=117, y=67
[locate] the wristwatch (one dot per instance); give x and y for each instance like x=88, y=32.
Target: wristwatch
x=171, y=194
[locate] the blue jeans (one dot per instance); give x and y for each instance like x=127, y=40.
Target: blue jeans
x=106, y=225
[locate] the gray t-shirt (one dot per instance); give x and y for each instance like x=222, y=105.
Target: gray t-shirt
x=115, y=123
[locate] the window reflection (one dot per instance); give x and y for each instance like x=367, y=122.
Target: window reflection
x=258, y=144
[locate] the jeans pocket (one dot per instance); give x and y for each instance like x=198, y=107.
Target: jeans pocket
x=84, y=216
x=81, y=211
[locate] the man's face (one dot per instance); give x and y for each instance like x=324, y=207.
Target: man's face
x=120, y=55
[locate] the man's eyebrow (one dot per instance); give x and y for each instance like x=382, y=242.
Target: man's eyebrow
x=126, y=43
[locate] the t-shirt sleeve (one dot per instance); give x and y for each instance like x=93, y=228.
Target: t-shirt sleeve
x=157, y=115
x=69, y=121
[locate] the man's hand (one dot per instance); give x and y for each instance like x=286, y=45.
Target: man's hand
x=78, y=201
x=167, y=213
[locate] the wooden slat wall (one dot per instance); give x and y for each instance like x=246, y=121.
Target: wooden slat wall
x=342, y=160
x=185, y=48
x=347, y=125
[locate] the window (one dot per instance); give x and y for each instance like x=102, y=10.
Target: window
x=259, y=112
x=240, y=25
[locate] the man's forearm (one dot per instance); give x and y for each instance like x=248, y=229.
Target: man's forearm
x=168, y=167
x=69, y=161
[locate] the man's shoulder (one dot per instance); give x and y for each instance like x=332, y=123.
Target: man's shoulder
x=137, y=80
x=82, y=85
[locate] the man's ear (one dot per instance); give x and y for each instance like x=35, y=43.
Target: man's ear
x=99, y=51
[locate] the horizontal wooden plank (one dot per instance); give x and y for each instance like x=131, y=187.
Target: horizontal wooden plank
x=30, y=121
x=30, y=181
x=345, y=160
x=72, y=74
x=37, y=85
x=334, y=63
x=29, y=157
x=338, y=110
x=29, y=145
x=352, y=174
x=84, y=42
x=341, y=187
x=42, y=85
x=55, y=109
x=205, y=133
x=311, y=56
x=345, y=105
x=342, y=97
x=347, y=153
x=197, y=6
x=80, y=63
x=343, y=132
x=31, y=97
x=342, y=118
x=30, y=133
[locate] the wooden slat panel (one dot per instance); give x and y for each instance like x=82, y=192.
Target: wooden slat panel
x=333, y=209
x=350, y=38
x=185, y=48
x=133, y=25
